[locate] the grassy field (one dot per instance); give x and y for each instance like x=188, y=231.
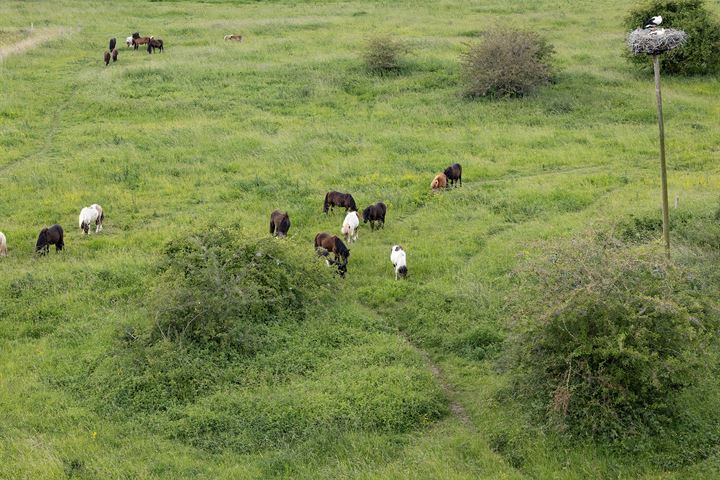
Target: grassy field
x=385, y=379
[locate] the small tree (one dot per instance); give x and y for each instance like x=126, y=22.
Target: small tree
x=701, y=52
x=506, y=63
x=383, y=55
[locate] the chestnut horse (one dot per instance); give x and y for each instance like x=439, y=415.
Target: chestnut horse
x=325, y=243
x=50, y=236
x=279, y=223
x=337, y=199
x=137, y=40
x=440, y=181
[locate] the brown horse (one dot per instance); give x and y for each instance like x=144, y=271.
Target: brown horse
x=454, y=173
x=50, y=236
x=106, y=58
x=375, y=214
x=114, y=54
x=237, y=38
x=337, y=199
x=325, y=243
x=440, y=181
x=137, y=40
x=279, y=223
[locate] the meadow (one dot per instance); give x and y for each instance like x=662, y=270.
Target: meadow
x=381, y=378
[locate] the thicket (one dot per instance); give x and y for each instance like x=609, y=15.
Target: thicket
x=506, y=63
x=216, y=289
x=701, y=53
x=384, y=55
x=611, y=338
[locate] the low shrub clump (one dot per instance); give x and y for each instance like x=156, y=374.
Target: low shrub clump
x=384, y=55
x=701, y=52
x=215, y=289
x=610, y=338
x=506, y=63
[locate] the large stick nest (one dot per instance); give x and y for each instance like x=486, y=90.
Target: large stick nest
x=655, y=41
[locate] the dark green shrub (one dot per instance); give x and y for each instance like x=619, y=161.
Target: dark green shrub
x=608, y=339
x=384, y=55
x=506, y=63
x=701, y=53
x=215, y=289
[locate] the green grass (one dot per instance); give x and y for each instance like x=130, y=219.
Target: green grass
x=225, y=132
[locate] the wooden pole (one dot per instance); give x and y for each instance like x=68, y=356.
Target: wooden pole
x=663, y=169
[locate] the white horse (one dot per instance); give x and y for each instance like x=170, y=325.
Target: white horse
x=350, y=227
x=93, y=213
x=398, y=259
x=3, y=245
x=128, y=41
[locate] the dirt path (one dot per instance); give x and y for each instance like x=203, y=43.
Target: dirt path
x=456, y=407
x=36, y=38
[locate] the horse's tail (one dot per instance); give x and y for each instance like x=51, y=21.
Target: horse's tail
x=326, y=205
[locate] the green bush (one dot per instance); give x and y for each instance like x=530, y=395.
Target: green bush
x=214, y=289
x=701, y=53
x=384, y=55
x=506, y=63
x=609, y=339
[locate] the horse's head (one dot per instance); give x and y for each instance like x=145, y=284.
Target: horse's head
x=42, y=240
x=366, y=214
x=136, y=35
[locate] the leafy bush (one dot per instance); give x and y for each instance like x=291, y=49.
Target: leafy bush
x=215, y=289
x=506, y=63
x=701, y=53
x=609, y=339
x=383, y=55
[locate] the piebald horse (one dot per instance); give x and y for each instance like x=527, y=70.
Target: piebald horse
x=93, y=213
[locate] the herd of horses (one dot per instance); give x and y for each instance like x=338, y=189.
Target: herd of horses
x=325, y=243
x=134, y=40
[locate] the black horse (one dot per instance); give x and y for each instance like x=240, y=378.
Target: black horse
x=106, y=58
x=454, y=173
x=375, y=214
x=154, y=43
x=279, y=223
x=50, y=236
x=326, y=243
x=337, y=199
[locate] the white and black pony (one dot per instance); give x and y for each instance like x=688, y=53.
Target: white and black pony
x=399, y=261
x=93, y=213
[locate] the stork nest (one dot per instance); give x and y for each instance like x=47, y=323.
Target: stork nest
x=655, y=41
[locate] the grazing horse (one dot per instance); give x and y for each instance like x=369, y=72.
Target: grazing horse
x=237, y=38
x=129, y=41
x=106, y=58
x=440, y=181
x=3, y=245
x=398, y=259
x=137, y=40
x=154, y=43
x=350, y=227
x=375, y=214
x=114, y=54
x=454, y=173
x=337, y=199
x=326, y=243
x=279, y=223
x=50, y=236
x=113, y=42
x=93, y=213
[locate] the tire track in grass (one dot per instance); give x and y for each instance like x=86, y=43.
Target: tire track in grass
x=456, y=408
